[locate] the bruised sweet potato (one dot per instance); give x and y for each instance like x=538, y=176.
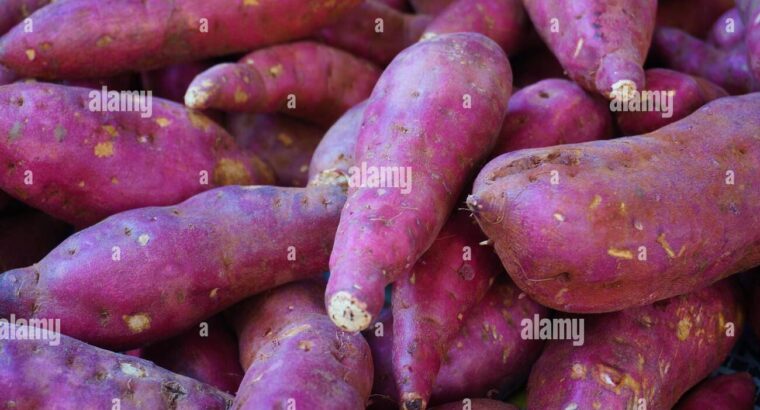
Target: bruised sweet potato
x=728, y=31
x=27, y=236
x=159, y=271
x=606, y=225
x=335, y=153
x=731, y=391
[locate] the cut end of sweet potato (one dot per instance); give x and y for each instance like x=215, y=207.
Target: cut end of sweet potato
x=331, y=177
x=413, y=401
x=623, y=89
x=196, y=98
x=349, y=313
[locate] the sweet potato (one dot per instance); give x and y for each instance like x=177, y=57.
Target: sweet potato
x=727, y=68
x=750, y=12
x=731, y=391
x=35, y=374
x=728, y=30
x=296, y=357
x=285, y=143
x=692, y=16
x=430, y=302
x=644, y=357
x=304, y=79
x=436, y=109
x=432, y=7
x=27, y=236
x=601, y=44
x=688, y=94
x=606, y=225
x=80, y=165
x=90, y=38
x=207, y=353
x=14, y=11
x=335, y=153
x=171, y=82
x=552, y=112
x=476, y=404
x=206, y=253
x=375, y=31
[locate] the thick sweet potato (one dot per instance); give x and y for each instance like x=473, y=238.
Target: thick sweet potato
x=73, y=375
x=285, y=143
x=14, y=11
x=207, y=353
x=335, y=153
x=732, y=391
x=436, y=111
x=171, y=82
x=160, y=271
x=430, y=303
x=81, y=166
x=606, y=225
x=728, y=31
x=601, y=44
x=476, y=404
x=688, y=94
x=296, y=357
x=27, y=236
x=750, y=12
x=692, y=16
x=91, y=38
x=644, y=357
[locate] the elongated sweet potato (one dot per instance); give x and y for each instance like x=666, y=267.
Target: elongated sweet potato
x=606, y=225
x=304, y=79
x=14, y=11
x=732, y=391
x=644, y=357
x=436, y=111
x=80, y=165
x=27, y=236
x=171, y=82
x=668, y=97
x=285, y=143
x=375, y=31
x=430, y=302
x=296, y=357
x=601, y=44
x=335, y=153
x=131, y=35
x=692, y=16
x=750, y=12
x=553, y=112
x=728, y=31
x=476, y=404
x=207, y=253
x=34, y=374
x=207, y=353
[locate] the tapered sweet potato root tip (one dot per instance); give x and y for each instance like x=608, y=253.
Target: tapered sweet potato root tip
x=348, y=313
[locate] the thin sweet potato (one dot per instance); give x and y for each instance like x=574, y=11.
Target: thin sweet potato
x=731, y=391
x=160, y=271
x=335, y=153
x=27, y=236
x=692, y=16
x=91, y=38
x=14, y=11
x=476, y=404
x=436, y=111
x=296, y=357
x=644, y=357
x=606, y=225
x=728, y=31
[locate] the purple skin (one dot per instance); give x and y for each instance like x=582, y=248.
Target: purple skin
x=211, y=358
x=14, y=11
x=690, y=93
x=184, y=263
x=27, y=236
x=731, y=391
x=553, y=112
x=720, y=36
x=171, y=82
x=121, y=157
x=646, y=355
x=68, y=42
x=477, y=404
x=431, y=7
x=601, y=44
x=335, y=153
x=576, y=245
x=727, y=68
x=383, y=232
x=75, y=375
x=692, y=16
x=6, y=75
x=750, y=12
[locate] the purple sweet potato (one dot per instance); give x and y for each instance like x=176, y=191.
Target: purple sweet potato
x=688, y=94
x=692, y=16
x=159, y=271
x=14, y=11
x=432, y=7
x=553, y=112
x=430, y=303
x=91, y=38
x=728, y=30
x=732, y=391
x=296, y=357
x=476, y=404
x=39, y=374
x=644, y=357
x=285, y=143
x=728, y=68
x=436, y=111
x=504, y=21
x=601, y=44
x=750, y=12
x=606, y=225
x=375, y=31
x=27, y=236
x=172, y=82
x=335, y=153
x=81, y=166
x=304, y=79
x=208, y=353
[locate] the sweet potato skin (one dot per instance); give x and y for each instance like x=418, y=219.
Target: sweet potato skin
x=27, y=236
x=750, y=12
x=67, y=42
x=335, y=153
x=294, y=354
x=74, y=375
x=217, y=268
x=552, y=112
x=613, y=232
x=731, y=391
x=120, y=156
x=407, y=112
x=721, y=37
x=620, y=366
x=476, y=404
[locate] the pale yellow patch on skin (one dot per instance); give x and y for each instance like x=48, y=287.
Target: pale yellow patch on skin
x=578, y=371
x=198, y=120
x=104, y=41
x=213, y=293
x=31, y=54
x=558, y=216
x=305, y=345
x=578, y=48
x=114, y=180
x=137, y=323
x=143, y=239
x=104, y=149
x=623, y=210
x=240, y=96
x=683, y=329
x=285, y=139
x=595, y=202
x=620, y=253
x=110, y=130
x=250, y=2
x=665, y=245
x=81, y=184
x=295, y=330
x=275, y=71
x=163, y=122
x=132, y=370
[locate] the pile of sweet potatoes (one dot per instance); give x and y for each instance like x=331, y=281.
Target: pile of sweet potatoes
x=379, y=204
